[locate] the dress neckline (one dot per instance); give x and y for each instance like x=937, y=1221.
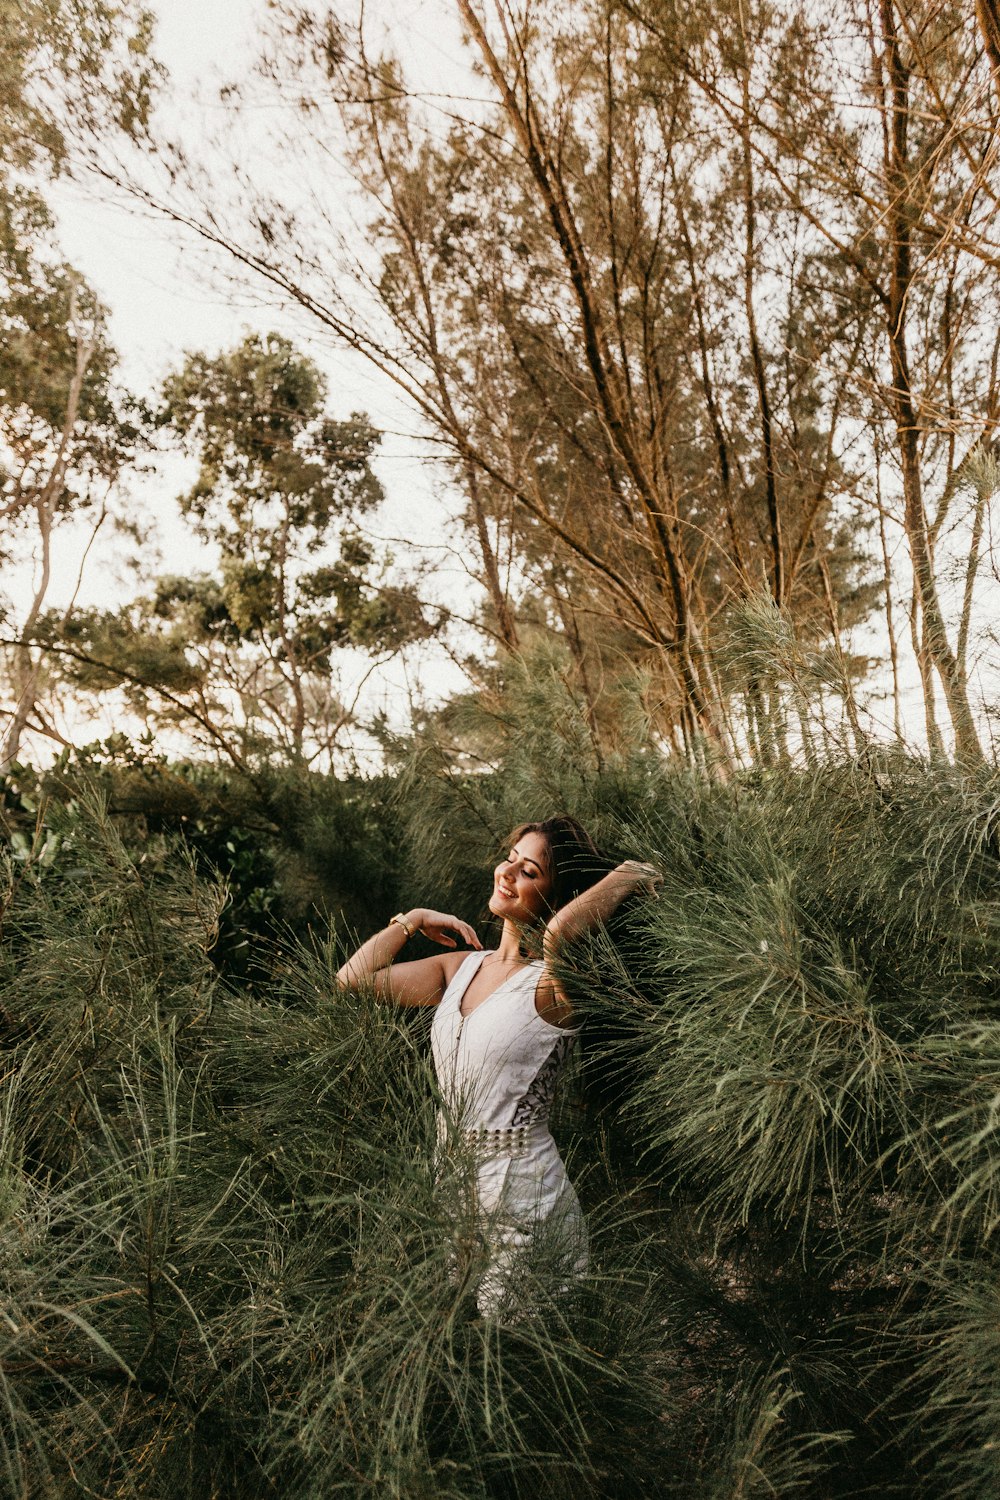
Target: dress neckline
x=482, y=955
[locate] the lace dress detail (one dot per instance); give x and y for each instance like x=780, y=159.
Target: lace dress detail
x=538, y=1100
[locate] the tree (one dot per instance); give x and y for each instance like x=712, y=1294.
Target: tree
x=72, y=72
x=680, y=310
x=66, y=433
x=584, y=372
x=874, y=126
x=245, y=655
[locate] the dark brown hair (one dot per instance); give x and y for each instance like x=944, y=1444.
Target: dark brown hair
x=576, y=861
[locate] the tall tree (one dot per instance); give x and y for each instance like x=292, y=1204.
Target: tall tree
x=71, y=72
x=664, y=301
x=245, y=657
x=875, y=128
x=66, y=436
x=574, y=368
x=283, y=492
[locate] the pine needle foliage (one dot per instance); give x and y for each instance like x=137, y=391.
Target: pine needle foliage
x=235, y=1262
x=229, y=1263
x=803, y=1029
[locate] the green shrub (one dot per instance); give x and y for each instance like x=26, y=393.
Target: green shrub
x=230, y=1265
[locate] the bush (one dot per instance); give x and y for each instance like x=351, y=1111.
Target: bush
x=229, y=1267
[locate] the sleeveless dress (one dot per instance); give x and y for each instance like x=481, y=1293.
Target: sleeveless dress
x=497, y=1070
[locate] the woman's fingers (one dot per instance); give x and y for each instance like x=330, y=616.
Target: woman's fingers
x=647, y=875
x=437, y=926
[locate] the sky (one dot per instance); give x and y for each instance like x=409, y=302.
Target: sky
x=160, y=300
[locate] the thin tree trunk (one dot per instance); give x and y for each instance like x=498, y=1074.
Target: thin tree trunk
x=971, y=571
x=834, y=617
x=45, y=503
x=571, y=630
x=967, y=744
x=988, y=19
x=491, y=571
x=611, y=405
x=890, y=624
x=756, y=355
x=708, y=391
x=294, y=673
x=753, y=719
x=935, y=743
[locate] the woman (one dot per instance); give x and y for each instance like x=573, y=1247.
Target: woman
x=501, y=1034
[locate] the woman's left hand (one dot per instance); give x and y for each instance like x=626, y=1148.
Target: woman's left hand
x=443, y=928
x=644, y=877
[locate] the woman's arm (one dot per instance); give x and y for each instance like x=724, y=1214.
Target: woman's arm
x=421, y=982
x=595, y=905
x=582, y=915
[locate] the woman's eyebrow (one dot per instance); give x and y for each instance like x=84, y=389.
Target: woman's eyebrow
x=528, y=859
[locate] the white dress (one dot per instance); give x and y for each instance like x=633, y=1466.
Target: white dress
x=497, y=1070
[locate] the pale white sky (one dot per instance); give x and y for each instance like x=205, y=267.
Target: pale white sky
x=154, y=282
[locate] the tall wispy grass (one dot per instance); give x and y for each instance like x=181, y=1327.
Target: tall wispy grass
x=233, y=1265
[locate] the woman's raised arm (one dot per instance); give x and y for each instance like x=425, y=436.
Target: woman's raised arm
x=581, y=915
x=594, y=905
x=424, y=980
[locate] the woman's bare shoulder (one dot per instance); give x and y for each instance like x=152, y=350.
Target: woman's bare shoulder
x=452, y=962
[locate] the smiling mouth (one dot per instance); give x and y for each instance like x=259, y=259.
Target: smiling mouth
x=505, y=892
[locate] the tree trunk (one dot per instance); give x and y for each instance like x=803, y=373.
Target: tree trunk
x=610, y=396
x=988, y=20
x=756, y=355
x=45, y=504
x=967, y=746
x=491, y=572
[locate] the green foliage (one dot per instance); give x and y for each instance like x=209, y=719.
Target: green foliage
x=70, y=70
x=48, y=317
x=233, y=1260
x=796, y=1043
x=256, y=417
x=71, y=73
x=244, y=660
x=292, y=850
x=226, y=1262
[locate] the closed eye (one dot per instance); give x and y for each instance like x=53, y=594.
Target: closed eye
x=532, y=873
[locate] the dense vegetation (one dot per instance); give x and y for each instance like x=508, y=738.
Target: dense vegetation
x=689, y=310
x=227, y=1267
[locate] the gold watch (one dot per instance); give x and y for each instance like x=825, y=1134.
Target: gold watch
x=407, y=927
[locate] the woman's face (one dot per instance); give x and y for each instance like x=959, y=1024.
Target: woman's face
x=522, y=883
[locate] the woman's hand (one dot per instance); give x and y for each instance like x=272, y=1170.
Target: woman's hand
x=644, y=877
x=438, y=925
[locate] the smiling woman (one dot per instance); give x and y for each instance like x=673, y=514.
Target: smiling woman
x=502, y=1031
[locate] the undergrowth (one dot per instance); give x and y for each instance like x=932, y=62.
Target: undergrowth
x=229, y=1266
